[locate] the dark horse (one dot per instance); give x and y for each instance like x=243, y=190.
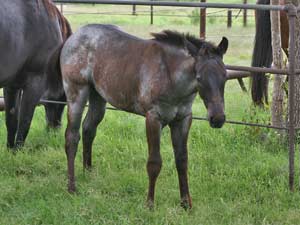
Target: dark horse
x=30, y=43
x=262, y=52
x=157, y=78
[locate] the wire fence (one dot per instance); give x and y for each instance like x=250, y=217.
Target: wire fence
x=198, y=118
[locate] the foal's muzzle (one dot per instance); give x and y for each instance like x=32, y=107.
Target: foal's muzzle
x=216, y=121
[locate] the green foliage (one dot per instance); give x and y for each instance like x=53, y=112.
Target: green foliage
x=195, y=15
x=212, y=20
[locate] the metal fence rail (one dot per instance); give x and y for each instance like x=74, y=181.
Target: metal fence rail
x=181, y=4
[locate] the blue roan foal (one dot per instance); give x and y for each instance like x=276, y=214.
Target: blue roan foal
x=157, y=78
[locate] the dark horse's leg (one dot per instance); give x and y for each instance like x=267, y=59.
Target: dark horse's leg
x=77, y=97
x=12, y=97
x=54, y=113
x=93, y=117
x=179, y=134
x=153, y=130
x=30, y=98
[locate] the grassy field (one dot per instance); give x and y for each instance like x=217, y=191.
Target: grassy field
x=238, y=175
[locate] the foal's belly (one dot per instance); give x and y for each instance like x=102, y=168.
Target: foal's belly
x=119, y=97
x=164, y=111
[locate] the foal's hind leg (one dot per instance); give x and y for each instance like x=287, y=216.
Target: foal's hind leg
x=77, y=97
x=179, y=134
x=93, y=117
x=12, y=97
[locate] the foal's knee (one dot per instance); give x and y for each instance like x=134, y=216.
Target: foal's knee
x=72, y=140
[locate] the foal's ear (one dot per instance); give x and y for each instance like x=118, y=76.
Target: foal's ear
x=192, y=49
x=223, y=46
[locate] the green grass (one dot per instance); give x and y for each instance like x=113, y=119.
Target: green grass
x=237, y=175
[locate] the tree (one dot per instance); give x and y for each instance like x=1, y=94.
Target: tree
x=277, y=107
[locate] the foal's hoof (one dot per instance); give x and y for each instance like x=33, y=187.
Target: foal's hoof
x=19, y=145
x=10, y=146
x=14, y=147
x=186, y=203
x=87, y=168
x=71, y=189
x=150, y=204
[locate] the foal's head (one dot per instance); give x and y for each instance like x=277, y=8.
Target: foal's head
x=209, y=70
x=211, y=76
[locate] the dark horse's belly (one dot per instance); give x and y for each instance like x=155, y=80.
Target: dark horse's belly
x=27, y=39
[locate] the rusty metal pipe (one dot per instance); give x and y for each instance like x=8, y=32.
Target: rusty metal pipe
x=292, y=13
x=180, y=4
x=261, y=70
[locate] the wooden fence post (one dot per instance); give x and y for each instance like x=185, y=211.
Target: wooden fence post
x=151, y=14
x=203, y=22
x=229, y=18
x=245, y=14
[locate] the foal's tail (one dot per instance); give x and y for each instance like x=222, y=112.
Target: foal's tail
x=262, y=55
x=54, y=76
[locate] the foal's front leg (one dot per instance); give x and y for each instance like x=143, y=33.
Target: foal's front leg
x=153, y=130
x=179, y=135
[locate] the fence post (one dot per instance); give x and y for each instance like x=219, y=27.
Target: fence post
x=134, y=10
x=151, y=14
x=229, y=18
x=62, y=8
x=245, y=14
x=203, y=22
x=292, y=13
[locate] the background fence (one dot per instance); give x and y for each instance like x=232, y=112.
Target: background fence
x=196, y=15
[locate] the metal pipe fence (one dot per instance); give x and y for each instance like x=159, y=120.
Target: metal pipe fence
x=291, y=10
x=181, y=4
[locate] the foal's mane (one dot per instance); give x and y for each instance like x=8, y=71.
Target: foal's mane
x=179, y=40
